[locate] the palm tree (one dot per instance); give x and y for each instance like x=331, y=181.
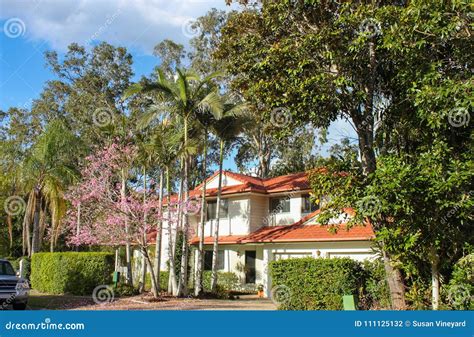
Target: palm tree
x=47, y=172
x=181, y=96
x=226, y=127
x=205, y=117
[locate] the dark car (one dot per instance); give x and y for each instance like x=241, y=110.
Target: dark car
x=14, y=290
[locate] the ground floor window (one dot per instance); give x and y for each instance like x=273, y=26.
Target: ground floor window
x=208, y=260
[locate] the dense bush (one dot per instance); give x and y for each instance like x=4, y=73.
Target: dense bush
x=164, y=276
x=74, y=273
x=376, y=294
x=225, y=280
x=460, y=291
x=315, y=284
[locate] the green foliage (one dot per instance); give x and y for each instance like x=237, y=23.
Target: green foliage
x=460, y=293
x=71, y=272
x=164, y=276
x=376, y=292
x=125, y=290
x=316, y=284
x=226, y=281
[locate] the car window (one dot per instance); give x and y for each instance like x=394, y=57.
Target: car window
x=6, y=269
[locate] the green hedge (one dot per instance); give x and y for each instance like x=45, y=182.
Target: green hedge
x=315, y=284
x=164, y=276
x=73, y=273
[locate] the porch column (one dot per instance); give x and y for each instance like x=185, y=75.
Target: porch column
x=267, y=281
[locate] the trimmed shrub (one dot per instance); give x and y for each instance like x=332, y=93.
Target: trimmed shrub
x=71, y=272
x=315, y=284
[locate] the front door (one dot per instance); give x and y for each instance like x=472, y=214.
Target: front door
x=250, y=272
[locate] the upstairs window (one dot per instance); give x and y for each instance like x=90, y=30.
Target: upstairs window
x=211, y=209
x=308, y=204
x=280, y=205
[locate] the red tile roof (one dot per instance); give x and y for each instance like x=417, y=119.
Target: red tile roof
x=290, y=182
x=299, y=232
x=223, y=240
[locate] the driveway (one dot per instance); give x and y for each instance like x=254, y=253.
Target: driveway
x=246, y=302
x=147, y=302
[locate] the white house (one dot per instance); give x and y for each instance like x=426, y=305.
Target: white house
x=269, y=219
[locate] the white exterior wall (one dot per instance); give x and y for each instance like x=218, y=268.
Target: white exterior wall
x=290, y=217
x=236, y=222
x=258, y=209
x=226, y=181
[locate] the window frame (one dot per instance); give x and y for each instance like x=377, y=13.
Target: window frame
x=304, y=197
x=224, y=206
x=208, y=260
x=276, y=209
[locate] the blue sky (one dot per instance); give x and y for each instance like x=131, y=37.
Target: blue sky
x=31, y=27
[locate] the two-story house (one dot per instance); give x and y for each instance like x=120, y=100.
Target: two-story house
x=262, y=220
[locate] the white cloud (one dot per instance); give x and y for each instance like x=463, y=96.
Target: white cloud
x=131, y=23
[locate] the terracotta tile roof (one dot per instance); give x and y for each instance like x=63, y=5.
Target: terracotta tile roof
x=290, y=182
x=300, y=232
x=297, y=233
x=223, y=240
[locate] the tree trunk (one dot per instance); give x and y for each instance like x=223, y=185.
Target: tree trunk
x=141, y=288
x=395, y=284
x=200, y=252
x=172, y=283
x=26, y=224
x=128, y=253
x=216, y=229
x=10, y=231
x=183, y=277
x=159, y=232
x=35, y=242
x=435, y=278
x=78, y=223
x=149, y=264
x=144, y=252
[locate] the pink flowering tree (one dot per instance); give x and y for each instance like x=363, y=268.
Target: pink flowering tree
x=106, y=211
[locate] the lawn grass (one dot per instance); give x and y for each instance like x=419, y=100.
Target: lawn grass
x=39, y=301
